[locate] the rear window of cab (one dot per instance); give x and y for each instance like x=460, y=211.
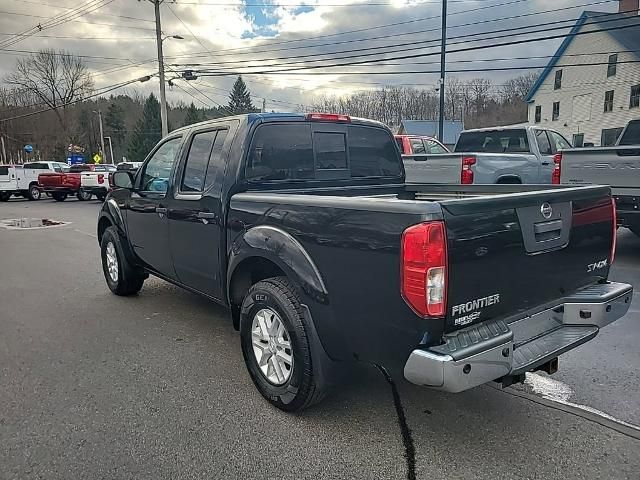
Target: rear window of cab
x=295, y=151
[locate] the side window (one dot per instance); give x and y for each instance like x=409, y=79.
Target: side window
x=195, y=169
x=331, y=150
x=216, y=166
x=417, y=147
x=558, y=142
x=157, y=171
x=543, y=142
x=434, y=147
x=281, y=152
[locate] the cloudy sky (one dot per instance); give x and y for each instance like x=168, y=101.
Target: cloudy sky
x=222, y=37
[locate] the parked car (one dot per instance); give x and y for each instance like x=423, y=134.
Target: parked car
x=618, y=166
x=416, y=145
x=22, y=180
x=61, y=185
x=96, y=181
x=304, y=227
x=511, y=155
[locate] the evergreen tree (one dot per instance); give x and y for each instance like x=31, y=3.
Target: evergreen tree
x=194, y=115
x=240, y=98
x=148, y=131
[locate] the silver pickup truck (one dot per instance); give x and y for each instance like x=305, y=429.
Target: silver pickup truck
x=618, y=166
x=515, y=154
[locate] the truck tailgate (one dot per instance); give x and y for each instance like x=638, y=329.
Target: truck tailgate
x=615, y=166
x=511, y=253
x=94, y=179
x=433, y=168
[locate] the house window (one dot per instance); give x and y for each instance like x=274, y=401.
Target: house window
x=538, y=113
x=558, y=81
x=608, y=101
x=578, y=139
x=634, y=99
x=612, y=65
x=556, y=111
x=609, y=136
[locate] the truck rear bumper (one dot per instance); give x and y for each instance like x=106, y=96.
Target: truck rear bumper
x=491, y=350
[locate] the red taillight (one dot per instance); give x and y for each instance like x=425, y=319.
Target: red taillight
x=328, y=117
x=466, y=174
x=100, y=178
x=615, y=230
x=423, y=274
x=555, y=175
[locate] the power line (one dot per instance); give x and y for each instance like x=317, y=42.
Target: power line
x=81, y=38
x=404, y=57
x=56, y=20
x=320, y=5
x=377, y=27
x=415, y=32
x=40, y=4
x=409, y=44
x=113, y=25
x=88, y=97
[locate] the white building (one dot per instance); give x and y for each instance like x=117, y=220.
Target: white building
x=591, y=87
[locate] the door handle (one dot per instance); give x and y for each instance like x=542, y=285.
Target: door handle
x=207, y=215
x=161, y=210
x=545, y=163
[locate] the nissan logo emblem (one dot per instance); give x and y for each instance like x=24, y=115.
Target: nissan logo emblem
x=546, y=210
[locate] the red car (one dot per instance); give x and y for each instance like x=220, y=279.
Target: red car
x=61, y=185
x=416, y=144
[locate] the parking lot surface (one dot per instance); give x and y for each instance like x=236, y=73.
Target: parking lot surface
x=98, y=386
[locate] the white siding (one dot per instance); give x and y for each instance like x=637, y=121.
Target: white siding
x=579, y=84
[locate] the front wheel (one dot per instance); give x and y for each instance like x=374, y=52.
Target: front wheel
x=59, y=197
x=122, y=277
x=34, y=193
x=275, y=345
x=83, y=195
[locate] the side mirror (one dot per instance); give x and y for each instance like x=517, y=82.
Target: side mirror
x=123, y=179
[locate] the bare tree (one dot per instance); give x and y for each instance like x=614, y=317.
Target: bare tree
x=54, y=79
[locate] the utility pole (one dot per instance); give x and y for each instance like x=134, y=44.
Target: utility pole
x=113, y=160
x=102, y=155
x=264, y=105
x=443, y=50
x=4, y=152
x=163, y=97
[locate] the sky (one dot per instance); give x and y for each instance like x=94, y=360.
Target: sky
x=225, y=37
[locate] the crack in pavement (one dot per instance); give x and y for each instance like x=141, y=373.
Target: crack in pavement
x=407, y=439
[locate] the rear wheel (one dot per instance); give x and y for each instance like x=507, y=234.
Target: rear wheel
x=276, y=348
x=101, y=197
x=83, y=195
x=59, y=196
x=34, y=192
x=122, y=277
x=5, y=196
x=635, y=228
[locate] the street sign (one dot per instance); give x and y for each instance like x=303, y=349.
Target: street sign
x=97, y=158
x=28, y=148
x=74, y=159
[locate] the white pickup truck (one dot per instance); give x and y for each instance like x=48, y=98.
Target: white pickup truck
x=511, y=154
x=22, y=180
x=617, y=166
x=96, y=181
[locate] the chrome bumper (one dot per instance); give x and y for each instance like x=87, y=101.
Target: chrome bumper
x=490, y=350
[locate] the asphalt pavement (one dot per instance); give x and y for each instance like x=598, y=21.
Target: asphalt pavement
x=94, y=386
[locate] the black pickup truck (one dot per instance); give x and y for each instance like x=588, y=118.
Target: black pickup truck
x=304, y=227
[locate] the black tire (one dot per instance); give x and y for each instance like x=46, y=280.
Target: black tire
x=5, y=196
x=635, y=229
x=59, y=197
x=34, y=192
x=83, y=195
x=303, y=388
x=129, y=278
x=101, y=197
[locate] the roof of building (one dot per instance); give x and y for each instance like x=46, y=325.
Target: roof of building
x=624, y=28
x=429, y=128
